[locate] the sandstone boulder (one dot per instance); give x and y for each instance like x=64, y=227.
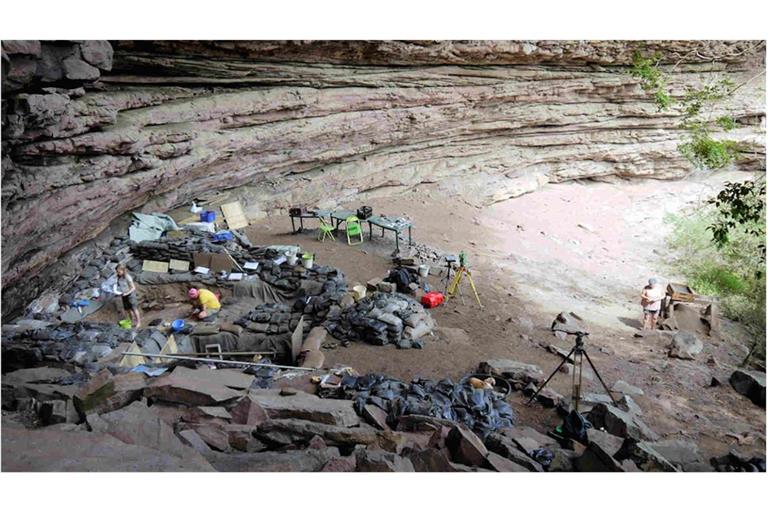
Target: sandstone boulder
x=105, y=392
x=619, y=423
x=750, y=384
x=513, y=370
x=293, y=431
x=508, y=449
x=644, y=456
x=304, y=406
x=431, y=460
x=596, y=459
x=685, y=345
x=56, y=450
x=465, y=446
x=381, y=461
x=198, y=387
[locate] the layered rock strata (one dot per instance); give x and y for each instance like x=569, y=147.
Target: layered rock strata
x=93, y=130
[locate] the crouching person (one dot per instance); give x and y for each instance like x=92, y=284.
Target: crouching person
x=206, y=304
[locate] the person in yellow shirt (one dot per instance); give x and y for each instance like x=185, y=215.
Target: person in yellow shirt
x=206, y=304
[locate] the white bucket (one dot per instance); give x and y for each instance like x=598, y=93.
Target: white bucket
x=308, y=262
x=423, y=270
x=292, y=258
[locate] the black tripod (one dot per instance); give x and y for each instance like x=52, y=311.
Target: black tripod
x=579, y=353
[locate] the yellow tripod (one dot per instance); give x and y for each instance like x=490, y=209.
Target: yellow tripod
x=453, y=288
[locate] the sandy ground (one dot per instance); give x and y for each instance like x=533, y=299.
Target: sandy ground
x=582, y=247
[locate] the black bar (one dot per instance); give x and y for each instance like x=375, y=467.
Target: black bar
x=565, y=360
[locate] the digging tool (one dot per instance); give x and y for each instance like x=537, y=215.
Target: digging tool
x=218, y=361
x=234, y=261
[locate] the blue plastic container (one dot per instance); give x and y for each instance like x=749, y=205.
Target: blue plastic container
x=223, y=236
x=207, y=216
x=177, y=325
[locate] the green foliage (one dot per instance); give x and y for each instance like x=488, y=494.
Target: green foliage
x=741, y=209
x=696, y=99
x=730, y=271
x=652, y=80
x=704, y=152
x=727, y=123
x=699, y=147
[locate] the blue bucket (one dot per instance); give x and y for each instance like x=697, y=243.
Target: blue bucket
x=177, y=325
x=207, y=216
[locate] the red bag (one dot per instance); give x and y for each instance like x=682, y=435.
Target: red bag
x=432, y=299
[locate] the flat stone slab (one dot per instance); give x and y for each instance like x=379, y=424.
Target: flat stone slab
x=514, y=370
x=526, y=438
x=622, y=387
x=381, y=461
x=292, y=460
x=57, y=450
x=140, y=425
x=679, y=452
x=43, y=374
x=196, y=387
x=304, y=406
x=620, y=423
x=289, y=431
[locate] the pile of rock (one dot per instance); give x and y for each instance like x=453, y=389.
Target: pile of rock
x=228, y=419
x=383, y=318
x=165, y=249
x=99, y=268
x=269, y=327
x=32, y=342
x=385, y=400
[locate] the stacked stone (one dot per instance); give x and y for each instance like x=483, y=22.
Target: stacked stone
x=270, y=327
x=80, y=343
x=383, y=318
x=100, y=268
x=166, y=249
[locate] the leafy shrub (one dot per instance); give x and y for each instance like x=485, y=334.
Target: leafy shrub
x=731, y=270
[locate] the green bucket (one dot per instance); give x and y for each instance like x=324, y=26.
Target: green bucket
x=125, y=324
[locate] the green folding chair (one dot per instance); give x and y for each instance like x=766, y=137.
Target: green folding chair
x=354, y=229
x=326, y=230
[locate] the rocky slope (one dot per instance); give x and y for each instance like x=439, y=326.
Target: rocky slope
x=93, y=130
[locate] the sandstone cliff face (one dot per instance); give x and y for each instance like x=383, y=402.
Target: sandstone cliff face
x=92, y=130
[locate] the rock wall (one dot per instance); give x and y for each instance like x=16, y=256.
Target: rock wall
x=93, y=130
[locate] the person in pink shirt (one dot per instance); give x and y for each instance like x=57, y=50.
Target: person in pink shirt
x=651, y=299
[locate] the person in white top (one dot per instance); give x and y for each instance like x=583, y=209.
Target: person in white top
x=127, y=291
x=651, y=299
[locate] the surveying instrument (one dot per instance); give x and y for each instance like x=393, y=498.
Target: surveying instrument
x=579, y=353
x=453, y=287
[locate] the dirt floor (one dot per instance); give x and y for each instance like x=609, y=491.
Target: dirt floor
x=582, y=247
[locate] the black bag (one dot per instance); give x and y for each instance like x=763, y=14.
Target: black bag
x=364, y=212
x=575, y=427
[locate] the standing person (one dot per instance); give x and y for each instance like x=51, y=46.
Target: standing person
x=651, y=299
x=206, y=304
x=127, y=290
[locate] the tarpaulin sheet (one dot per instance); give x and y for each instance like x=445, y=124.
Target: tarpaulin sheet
x=150, y=227
x=261, y=292
x=248, y=342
